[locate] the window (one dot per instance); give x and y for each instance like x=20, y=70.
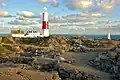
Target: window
x=34, y=31
x=30, y=31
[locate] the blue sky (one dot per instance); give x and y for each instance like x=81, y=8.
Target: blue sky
x=14, y=6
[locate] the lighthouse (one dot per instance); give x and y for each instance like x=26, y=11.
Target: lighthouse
x=109, y=36
x=45, y=27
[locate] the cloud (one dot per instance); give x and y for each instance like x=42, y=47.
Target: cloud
x=2, y=3
x=107, y=6
x=54, y=18
x=26, y=14
x=96, y=14
x=94, y=5
x=82, y=17
x=117, y=2
x=91, y=14
x=3, y=13
x=78, y=4
x=73, y=27
x=23, y=21
x=53, y=2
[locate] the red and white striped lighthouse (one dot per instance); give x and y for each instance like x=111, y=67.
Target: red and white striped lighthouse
x=45, y=23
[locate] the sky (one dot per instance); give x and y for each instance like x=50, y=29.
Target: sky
x=14, y=6
x=81, y=16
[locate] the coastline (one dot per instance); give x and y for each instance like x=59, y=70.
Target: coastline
x=93, y=36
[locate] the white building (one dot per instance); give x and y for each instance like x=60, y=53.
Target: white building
x=29, y=33
x=33, y=34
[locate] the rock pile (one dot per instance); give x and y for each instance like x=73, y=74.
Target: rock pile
x=75, y=44
x=56, y=43
x=17, y=60
x=108, y=62
x=69, y=74
x=59, y=44
x=82, y=44
x=14, y=48
x=52, y=43
x=8, y=39
x=91, y=43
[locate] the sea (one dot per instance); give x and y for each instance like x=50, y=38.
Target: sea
x=4, y=35
x=117, y=37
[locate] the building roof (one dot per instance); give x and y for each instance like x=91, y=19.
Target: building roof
x=17, y=32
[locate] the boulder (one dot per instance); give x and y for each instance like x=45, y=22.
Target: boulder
x=8, y=39
x=0, y=39
x=107, y=63
x=69, y=74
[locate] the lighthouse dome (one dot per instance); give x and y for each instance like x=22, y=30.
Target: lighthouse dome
x=45, y=9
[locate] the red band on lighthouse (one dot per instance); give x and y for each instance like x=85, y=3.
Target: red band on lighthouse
x=44, y=25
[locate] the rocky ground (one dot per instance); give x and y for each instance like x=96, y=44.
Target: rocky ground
x=108, y=62
x=83, y=61
x=56, y=44
x=20, y=74
x=37, y=55
x=36, y=62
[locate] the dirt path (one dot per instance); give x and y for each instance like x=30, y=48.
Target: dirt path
x=82, y=61
x=20, y=74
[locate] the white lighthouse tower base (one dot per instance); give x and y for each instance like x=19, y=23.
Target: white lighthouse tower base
x=46, y=32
